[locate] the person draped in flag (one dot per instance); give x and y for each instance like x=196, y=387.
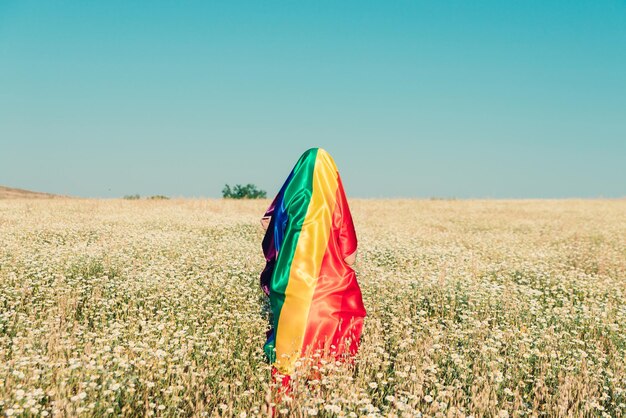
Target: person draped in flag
x=310, y=245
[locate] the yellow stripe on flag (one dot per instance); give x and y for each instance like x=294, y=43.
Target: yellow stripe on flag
x=306, y=264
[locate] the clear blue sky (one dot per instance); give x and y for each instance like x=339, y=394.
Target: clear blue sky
x=497, y=99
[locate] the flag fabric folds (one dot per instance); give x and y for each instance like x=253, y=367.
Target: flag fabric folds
x=315, y=299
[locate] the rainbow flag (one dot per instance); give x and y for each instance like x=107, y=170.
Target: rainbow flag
x=315, y=300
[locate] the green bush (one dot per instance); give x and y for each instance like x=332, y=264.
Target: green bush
x=249, y=191
x=132, y=197
x=158, y=197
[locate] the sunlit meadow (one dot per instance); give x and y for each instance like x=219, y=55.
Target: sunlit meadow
x=152, y=308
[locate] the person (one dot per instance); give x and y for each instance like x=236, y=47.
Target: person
x=310, y=245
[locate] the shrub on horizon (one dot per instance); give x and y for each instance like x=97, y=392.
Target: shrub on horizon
x=249, y=191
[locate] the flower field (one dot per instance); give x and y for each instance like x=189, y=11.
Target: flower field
x=153, y=308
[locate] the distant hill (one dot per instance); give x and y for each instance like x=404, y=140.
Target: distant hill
x=11, y=193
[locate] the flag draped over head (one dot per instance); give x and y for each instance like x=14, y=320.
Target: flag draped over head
x=315, y=300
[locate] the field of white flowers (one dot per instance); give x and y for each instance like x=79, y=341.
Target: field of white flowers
x=152, y=308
